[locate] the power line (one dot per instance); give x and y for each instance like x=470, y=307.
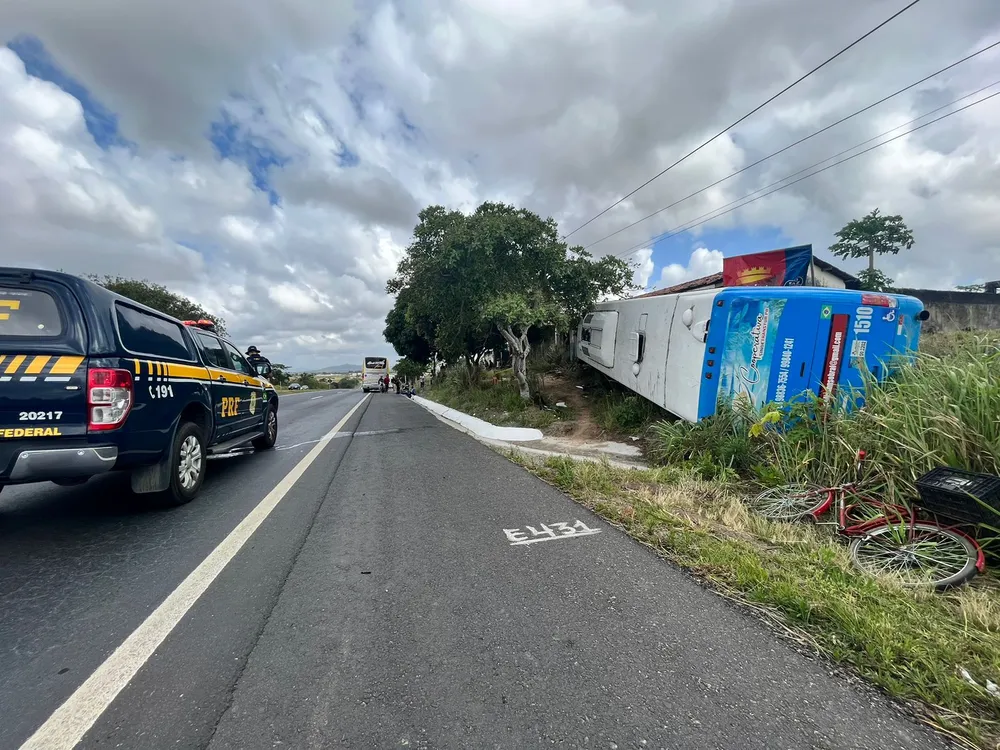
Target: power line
x=748, y=114
x=796, y=143
x=698, y=221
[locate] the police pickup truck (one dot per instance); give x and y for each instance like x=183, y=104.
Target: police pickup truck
x=91, y=381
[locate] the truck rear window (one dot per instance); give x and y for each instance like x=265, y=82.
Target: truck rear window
x=28, y=312
x=151, y=335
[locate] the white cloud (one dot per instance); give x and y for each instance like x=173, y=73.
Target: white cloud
x=643, y=260
x=703, y=262
x=561, y=106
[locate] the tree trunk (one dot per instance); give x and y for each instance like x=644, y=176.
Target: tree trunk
x=871, y=260
x=519, y=351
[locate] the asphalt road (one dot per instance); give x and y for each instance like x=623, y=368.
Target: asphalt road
x=381, y=604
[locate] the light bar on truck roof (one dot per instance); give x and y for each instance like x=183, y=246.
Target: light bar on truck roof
x=207, y=325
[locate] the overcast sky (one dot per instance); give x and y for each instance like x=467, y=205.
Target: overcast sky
x=269, y=159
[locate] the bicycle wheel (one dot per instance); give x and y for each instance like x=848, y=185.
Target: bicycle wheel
x=918, y=554
x=791, y=502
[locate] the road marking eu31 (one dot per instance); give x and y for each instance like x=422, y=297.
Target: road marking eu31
x=548, y=533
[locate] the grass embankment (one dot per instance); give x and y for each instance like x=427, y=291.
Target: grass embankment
x=498, y=403
x=566, y=400
x=917, y=646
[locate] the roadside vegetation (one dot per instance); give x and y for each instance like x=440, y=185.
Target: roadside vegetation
x=940, y=652
x=567, y=399
x=944, y=411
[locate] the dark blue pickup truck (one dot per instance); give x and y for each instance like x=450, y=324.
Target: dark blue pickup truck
x=91, y=381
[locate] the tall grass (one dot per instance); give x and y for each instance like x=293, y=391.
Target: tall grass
x=499, y=403
x=943, y=411
x=623, y=413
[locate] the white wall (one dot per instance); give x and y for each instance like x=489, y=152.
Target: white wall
x=826, y=279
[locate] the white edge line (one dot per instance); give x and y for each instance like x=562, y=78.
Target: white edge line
x=70, y=722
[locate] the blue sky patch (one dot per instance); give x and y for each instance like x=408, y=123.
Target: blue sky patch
x=678, y=249
x=233, y=141
x=731, y=242
x=101, y=122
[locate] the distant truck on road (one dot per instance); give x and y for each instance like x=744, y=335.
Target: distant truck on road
x=687, y=352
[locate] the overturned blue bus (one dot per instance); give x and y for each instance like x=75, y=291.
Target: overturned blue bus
x=686, y=352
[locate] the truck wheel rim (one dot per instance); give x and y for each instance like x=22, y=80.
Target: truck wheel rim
x=189, y=467
x=272, y=426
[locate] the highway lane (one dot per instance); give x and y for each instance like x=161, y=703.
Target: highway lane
x=81, y=567
x=382, y=604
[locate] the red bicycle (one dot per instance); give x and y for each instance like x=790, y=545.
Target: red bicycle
x=908, y=544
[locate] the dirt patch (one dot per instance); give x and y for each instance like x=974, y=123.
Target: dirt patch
x=557, y=388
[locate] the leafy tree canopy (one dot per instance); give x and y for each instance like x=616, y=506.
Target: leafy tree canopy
x=467, y=280
x=871, y=235
x=159, y=298
x=409, y=370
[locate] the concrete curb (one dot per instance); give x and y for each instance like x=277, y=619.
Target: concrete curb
x=478, y=427
x=446, y=415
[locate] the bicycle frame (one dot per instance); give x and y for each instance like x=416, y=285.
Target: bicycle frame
x=852, y=526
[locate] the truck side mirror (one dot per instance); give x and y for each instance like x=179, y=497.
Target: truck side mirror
x=263, y=370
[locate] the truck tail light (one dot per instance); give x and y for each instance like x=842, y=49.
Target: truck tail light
x=110, y=396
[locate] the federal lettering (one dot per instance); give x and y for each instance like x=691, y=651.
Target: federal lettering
x=27, y=432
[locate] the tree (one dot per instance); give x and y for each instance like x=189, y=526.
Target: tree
x=499, y=272
x=875, y=281
x=409, y=335
x=310, y=380
x=408, y=369
x=159, y=298
x=279, y=374
x=871, y=235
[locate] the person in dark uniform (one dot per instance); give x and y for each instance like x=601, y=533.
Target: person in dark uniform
x=255, y=358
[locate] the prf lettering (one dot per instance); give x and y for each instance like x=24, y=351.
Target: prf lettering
x=16, y=432
x=230, y=407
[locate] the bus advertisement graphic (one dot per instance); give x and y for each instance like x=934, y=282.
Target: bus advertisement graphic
x=834, y=356
x=745, y=369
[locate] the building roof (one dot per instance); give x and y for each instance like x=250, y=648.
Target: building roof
x=715, y=279
x=705, y=282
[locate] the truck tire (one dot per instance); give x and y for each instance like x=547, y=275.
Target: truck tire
x=270, y=436
x=187, y=462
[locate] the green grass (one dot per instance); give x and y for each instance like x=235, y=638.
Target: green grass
x=625, y=413
x=913, y=645
x=499, y=404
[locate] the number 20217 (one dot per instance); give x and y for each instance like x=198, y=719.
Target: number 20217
x=39, y=416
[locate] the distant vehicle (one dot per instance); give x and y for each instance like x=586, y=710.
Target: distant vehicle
x=294, y=387
x=91, y=381
x=373, y=370
x=305, y=387
x=687, y=352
